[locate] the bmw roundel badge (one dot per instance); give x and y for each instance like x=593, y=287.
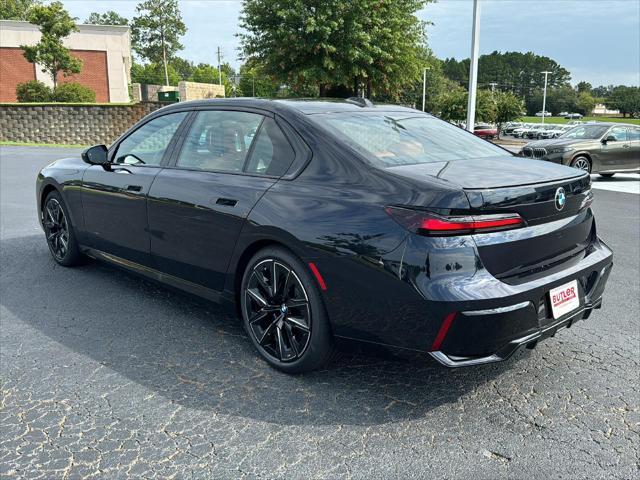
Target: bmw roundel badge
x=561, y=198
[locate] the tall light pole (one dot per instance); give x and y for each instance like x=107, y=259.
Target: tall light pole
x=424, y=87
x=544, y=96
x=473, y=71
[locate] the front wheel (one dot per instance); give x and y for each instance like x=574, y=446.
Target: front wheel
x=59, y=232
x=283, y=312
x=582, y=163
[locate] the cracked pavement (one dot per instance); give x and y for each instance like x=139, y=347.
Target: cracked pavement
x=106, y=375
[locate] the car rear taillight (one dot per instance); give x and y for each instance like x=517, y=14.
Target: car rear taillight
x=431, y=224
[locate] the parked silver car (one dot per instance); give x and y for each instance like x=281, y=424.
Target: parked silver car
x=604, y=148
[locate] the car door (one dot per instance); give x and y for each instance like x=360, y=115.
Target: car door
x=114, y=196
x=632, y=162
x=614, y=151
x=197, y=206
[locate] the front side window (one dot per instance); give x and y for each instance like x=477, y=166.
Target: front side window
x=147, y=145
x=219, y=140
x=619, y=133
x=585, y=132
x=393, y=138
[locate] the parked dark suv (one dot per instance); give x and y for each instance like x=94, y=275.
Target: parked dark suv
x=604, y=148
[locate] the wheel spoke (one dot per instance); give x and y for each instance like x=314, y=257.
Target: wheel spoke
x=296, y=303
x=274, y=279
x=291, y=339
x=267, y=331
x=260, y=315
x=263, y=283
x=298, y=322
x=253, y=293
x=280, y=343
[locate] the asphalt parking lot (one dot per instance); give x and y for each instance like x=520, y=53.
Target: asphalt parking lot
x=105, y=375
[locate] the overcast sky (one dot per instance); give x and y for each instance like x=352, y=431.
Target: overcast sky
x=596, y=40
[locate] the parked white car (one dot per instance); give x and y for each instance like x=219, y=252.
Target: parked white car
x=544, y=114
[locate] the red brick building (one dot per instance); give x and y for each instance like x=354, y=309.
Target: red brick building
x=104, y=50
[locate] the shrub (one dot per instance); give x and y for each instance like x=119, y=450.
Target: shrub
x=33, y=91
x=73, y=92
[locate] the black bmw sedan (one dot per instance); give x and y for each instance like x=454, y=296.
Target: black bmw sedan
x=331, y=223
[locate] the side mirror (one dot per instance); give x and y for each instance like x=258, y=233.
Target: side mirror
x=96, y=155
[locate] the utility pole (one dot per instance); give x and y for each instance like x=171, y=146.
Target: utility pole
x=219, y=69
x=544, y=96
x=473, y=70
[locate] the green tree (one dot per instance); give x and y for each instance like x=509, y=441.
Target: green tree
x=584, y=87
x=55, y=24
x=453, y=105
x=156, y=32
x=154, y=74
x=508, y=107
x=205, y=73
x=183, y=67
x=626, y=99
x=255, y=83
x=585, y=103
x=107, y=18
x=515, y=71
x=16, y=9
x=335, y=43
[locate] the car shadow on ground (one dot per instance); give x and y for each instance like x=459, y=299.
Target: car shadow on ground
x=197, y=355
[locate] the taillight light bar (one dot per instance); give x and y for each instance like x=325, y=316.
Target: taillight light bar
x=431, y=224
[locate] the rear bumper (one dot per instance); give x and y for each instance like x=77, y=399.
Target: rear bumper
x=486, y=331
x=529, y=341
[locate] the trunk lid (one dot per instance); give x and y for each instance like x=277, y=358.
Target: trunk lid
x=492, y=172
x=552, y=199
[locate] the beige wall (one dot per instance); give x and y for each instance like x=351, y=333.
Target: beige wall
x=114, y=40
x=198, y=91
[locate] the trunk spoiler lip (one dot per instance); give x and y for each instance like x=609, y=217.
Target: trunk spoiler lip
x=550, y=182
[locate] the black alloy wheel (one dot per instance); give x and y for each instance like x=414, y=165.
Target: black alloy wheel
x=283, y=312
x=59, y=231
x=56, y=229
x=277, y=309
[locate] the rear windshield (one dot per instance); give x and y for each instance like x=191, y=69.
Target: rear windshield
x=391, y=139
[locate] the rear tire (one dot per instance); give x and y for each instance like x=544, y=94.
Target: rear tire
x=581, y=163
x=59, y=232
x=606, y=175
x=288, y=325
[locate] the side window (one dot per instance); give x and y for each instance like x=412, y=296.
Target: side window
x=619, y=133
x=219, y=140
x=272, y=154
x=146, y=145
x=634, y=134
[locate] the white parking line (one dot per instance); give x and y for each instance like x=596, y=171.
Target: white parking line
x=621, y=182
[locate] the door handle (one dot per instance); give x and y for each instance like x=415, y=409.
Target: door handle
x=227, y=202
x=133, y=188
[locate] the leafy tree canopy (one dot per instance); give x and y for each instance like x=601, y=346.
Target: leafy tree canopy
x=156, y=31
x=514, y=71
x=107, y=18
x=54, y=23
x=626, y=99
x=16, y=9
x=335, y=43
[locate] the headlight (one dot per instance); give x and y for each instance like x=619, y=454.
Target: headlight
x=560, y=149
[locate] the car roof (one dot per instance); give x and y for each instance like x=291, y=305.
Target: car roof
x=308, y=106
x=606, y=124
